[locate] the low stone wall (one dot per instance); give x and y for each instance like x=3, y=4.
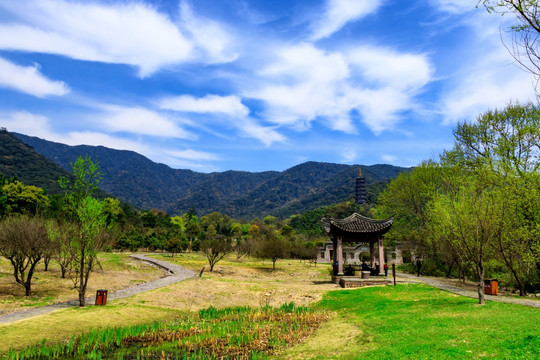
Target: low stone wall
x=356, y=282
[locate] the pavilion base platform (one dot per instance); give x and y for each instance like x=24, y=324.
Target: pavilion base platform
x=357, y=281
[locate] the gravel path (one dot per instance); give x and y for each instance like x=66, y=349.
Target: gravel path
x=175, y=273
x=472, y=294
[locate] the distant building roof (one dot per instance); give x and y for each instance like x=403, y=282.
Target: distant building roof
x=356, y=225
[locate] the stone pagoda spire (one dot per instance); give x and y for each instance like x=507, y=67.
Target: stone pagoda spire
x=361, y=197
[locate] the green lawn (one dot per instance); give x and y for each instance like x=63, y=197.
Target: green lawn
x=420, y=322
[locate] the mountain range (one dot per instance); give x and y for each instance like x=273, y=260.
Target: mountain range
x=137, y=180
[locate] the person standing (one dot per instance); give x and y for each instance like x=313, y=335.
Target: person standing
x=386, y=269
x=418, y=266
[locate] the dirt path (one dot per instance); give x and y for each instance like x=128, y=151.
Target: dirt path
x=175, y=273
x=472, y=294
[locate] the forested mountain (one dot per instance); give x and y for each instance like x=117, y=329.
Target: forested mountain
x=143, y=183
x=20, y=161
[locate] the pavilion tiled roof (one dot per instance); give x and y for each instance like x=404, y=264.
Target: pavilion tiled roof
x=357, y=224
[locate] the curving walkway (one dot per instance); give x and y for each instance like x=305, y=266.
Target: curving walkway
x=468, y=293
x=175, y=273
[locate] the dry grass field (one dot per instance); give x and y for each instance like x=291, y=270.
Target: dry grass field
x=244, y=282
x=118, y=272
x=232, y=283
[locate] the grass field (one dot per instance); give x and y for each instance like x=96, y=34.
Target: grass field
x=48, y=287
x=408, y=321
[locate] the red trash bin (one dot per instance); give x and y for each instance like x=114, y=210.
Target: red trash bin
x=491, y=287
x=101, y=297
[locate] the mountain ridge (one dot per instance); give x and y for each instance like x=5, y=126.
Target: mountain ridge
x=240, y=194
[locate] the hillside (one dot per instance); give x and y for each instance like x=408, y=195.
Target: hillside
x=22, y=162
x=143, y=183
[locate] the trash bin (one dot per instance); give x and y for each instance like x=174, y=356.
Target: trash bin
x=491, y=287
x=101, y=297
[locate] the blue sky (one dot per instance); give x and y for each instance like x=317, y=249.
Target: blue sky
x=254, y=85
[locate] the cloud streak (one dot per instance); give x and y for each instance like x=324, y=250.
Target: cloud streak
x=122, y=33
x=340, y=12
x=29, y=80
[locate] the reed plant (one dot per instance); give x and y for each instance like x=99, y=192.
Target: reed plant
x=233, y=333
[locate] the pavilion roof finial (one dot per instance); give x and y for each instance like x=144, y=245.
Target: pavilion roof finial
x=359, y=172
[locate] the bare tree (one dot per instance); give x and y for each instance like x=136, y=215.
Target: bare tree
x=215, y=246
x=526, y=32
x=24, y=242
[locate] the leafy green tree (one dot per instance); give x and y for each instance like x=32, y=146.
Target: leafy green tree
x=270, y=245
x=90, y=239
x=469, y=218
x=89, y=219
x=505, y=141
x=506, y=145
x=25, y=199
x=23, y=241
x=175, y=245
x=3, y=197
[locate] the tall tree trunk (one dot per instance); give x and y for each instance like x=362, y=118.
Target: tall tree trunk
x=480, y=273
x=450, y=269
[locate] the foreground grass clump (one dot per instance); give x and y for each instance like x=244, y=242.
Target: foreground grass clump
x=233, y=333
x=421, y=322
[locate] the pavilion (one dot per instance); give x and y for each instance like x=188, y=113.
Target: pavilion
x=357, y=229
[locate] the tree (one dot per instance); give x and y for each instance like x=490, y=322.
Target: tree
x=89, y=219
x=175, y=244
x=25, y=199
x=505, y=141
x=88, y=241
x=525, y=34
x=215, y=246
x=23, y=241
x=470, y=220
x=271, y=246
x=505, y=145
x=60, y=236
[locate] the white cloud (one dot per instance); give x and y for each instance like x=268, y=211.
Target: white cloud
x=26, y=123
x=455, y=6
x=208, y=35
x=191, y=154
x=303, y=84
x=29, y=80
x=230, y=105
x=128, y=33
x=386, y=66
x=142, y=121
x=339, y=12
x=349, y=156
x=490, y=78
x=264, y=134
x=390, y=159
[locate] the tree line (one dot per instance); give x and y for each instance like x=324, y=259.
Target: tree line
x=475, y=211
x=73, y=227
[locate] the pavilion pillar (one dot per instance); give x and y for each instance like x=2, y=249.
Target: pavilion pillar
x=372, y=254
x=381, y=255
x=340, y=255
x=334, y=256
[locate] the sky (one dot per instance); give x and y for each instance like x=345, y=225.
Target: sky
x=255, y=85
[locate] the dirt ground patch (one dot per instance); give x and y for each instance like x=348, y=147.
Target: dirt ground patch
x=247, y=282
x=48, y=287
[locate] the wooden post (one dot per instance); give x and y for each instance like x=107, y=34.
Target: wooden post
x=394, y=273
x=381, y=256
x=340, y=255
x=372, y=254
